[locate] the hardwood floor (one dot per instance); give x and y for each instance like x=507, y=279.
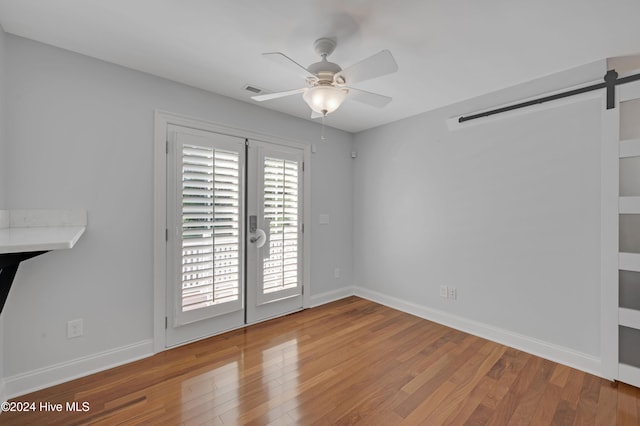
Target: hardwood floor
x=348, y=362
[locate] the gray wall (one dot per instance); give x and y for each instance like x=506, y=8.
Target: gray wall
x=507, y=212
x=3, y=142
x=80, y=135
x=3, y=185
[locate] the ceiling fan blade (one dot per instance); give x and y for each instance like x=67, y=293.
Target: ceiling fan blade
x=381, y=63
x=287, y=62
x=277, y=95
x=368, y=98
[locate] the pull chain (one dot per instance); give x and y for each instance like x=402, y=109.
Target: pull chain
x=324, y=115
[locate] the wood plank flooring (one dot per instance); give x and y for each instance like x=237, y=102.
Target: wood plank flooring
x=347, y=362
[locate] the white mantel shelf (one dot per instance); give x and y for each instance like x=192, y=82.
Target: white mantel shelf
x=39, y=238
x=25, y=234
x=40, y=230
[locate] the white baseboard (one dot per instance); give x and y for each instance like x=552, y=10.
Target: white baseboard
x=330, y=296
x=550, y=351
x=41, y=378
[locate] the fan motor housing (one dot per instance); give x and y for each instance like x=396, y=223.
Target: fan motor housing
x=324, y=70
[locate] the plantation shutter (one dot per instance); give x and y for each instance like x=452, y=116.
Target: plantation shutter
x=210, y=227
x=281, y=205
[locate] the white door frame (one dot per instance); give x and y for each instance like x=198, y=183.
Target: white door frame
x=162, y=120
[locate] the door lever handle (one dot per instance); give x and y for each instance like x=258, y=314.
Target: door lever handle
x=259, y=239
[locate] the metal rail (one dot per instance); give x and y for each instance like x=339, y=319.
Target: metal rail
x=611, y=80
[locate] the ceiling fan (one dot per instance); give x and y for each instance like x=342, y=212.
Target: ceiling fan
x=329, y=84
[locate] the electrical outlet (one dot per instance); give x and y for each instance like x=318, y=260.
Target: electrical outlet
x=453, y=293
x=336, y=273
x=74, y=328
x=444, y=292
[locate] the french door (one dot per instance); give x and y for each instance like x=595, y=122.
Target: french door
x=234, y=220
x=274, y=206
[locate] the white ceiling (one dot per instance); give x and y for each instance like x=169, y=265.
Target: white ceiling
x=446, y=50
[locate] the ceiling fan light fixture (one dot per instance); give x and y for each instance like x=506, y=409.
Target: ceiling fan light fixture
x=325, y=99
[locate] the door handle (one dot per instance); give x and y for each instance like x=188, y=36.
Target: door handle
x=259, y=239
